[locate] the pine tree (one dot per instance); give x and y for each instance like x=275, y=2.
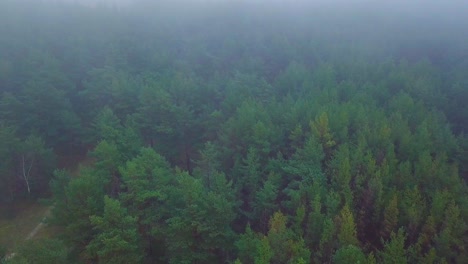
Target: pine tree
x=117, y=240
x=265, y=201
x=321, y=130
x=247, y=245
x=427, y=233
x=347, y=234
x=327, y=242
x=394, y=251
x=451, y=240
x=264, y=252
x=77, y=199
x=315, y=222
x=390, y=220
x=413, y=206
x=349, y=254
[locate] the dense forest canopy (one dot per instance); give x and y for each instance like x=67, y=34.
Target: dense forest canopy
x=237, y=131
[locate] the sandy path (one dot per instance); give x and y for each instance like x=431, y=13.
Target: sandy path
x=40, y=225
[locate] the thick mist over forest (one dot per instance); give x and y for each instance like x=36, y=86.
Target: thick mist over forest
x=415, y=29
x=223, y=131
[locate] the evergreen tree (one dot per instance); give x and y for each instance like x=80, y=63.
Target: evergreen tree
x=394, y=250
x=390, y=220
x=347, y=234
x=349, y=254
x=117, y=239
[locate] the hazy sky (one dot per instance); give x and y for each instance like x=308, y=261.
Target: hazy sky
x=403, y=5
x=449, y=14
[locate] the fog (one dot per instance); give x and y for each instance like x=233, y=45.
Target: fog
x=450, y=10
x=393, y=22
x=420, y=15
x=234, y=131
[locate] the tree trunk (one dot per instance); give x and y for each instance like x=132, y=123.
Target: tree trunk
x=26, y=174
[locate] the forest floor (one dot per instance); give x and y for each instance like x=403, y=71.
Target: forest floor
x=25, y=223
x=26, y=220
x=39, y=226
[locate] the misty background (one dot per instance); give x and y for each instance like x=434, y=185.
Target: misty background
x=224, y=131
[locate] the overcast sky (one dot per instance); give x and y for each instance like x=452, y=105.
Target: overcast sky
x=444, y=14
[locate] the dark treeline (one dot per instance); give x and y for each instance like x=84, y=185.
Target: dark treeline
x=227, y=132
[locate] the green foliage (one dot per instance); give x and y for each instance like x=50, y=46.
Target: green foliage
x=110, y=88
x=413, y=206
x=117, y=239
x=76, y=200
x=145, y=184
x=108, y=157
x=38, y=162
x=143, y=178
x=8, y=146
x=27, y=165
x=342, y=174
x=278, y=246
x=218, y=137
x=321, y=130
x=3, y=252
x=327, y=241
x=452, y=235
x=209, y=162
x=349, y=254
x=247, y=245
x=284, y=245
x=199, y=230
x=315, y=222
x=124, y=139
x=347, y=228
x=265, y=200
x=394, y=250
x=390, y=220
x=264, y=252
